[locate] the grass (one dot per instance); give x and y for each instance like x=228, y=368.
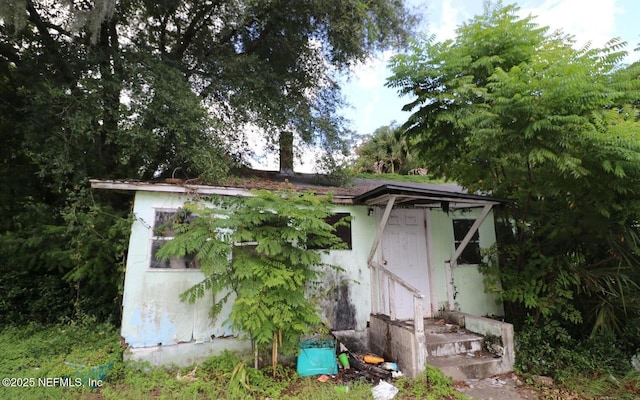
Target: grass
x=35, y=356
x=400, y=178
x=41, y=358
x=38, y=360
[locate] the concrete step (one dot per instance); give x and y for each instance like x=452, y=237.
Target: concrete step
x=449, y=344
x=460, y=367
x=439, y=326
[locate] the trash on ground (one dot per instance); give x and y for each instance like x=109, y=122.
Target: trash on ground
x=344, y=360
x=373, y=359
x=389, y=366
x=384, y=391
x=191, y=376
x=317, y=357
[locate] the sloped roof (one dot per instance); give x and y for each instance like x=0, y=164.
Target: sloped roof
x=359, y=191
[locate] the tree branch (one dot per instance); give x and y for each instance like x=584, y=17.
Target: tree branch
x=49, y=43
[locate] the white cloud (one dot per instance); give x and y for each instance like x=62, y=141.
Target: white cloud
x=371, y=74
x=588, y=21
x=444, y=26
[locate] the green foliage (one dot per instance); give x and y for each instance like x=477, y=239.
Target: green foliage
x=65, y=266
x=400, y=178
x=64, y=350
x=141, y=90
x=259, y=249
x=548, y=349
x=338, y=173
x=54, y=351
x=431, y=385
x=511, y=109
x=387, y=150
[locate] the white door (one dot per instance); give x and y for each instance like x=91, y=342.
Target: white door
x=404, y=252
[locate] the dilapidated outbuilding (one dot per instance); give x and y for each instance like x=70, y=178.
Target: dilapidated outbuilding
x=413, y=253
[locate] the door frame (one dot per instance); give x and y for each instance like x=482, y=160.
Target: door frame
x=423, y=225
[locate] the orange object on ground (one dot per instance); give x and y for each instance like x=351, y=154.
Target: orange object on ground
x=371, y=359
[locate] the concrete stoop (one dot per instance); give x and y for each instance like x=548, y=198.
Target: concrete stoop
x=458, y=353
x=462, y=367
x=455, y=347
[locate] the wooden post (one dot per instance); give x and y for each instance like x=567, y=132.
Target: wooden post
x=418, y=323
x=418, y=313
x=375, y=290
x=392, y=298
x=381, y=225
x=449, y=278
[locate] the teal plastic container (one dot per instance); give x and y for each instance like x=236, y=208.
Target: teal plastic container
x=317, y=357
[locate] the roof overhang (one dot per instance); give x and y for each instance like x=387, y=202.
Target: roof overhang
x=406, y=195
x=185, y=188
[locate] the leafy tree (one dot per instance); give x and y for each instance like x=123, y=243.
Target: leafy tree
x=512, y=109
x=387, y=150
x=147, y=89
x=260, y=249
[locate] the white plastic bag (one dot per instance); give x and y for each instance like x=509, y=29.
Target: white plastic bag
x=384, y=391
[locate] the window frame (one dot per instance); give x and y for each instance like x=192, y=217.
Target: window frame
x=156, y=241
x=473, y=246
x=339, y=230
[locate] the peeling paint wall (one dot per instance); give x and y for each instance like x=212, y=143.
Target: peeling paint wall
x=154, y=317
x=152, y=312
x=348, y=305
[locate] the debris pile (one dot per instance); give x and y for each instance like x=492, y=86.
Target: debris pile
x=364, y=367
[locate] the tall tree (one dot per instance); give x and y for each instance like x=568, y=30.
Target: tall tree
x=511, y=109
x=387, y=150
x=143, y=89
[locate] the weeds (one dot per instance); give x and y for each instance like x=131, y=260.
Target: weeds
x=431, y=385
x=60, y=361
x=83, y=350
x=65, y=349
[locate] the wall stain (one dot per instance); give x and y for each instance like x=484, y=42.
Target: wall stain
x=345, y=310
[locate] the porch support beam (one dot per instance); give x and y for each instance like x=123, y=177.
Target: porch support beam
x=381, y=225
x=472, y=231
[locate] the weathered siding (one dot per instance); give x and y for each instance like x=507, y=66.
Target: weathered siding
x=162, y=329
x=154, y=316
x=152, y=312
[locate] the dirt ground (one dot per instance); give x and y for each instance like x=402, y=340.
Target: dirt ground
x=504, y=387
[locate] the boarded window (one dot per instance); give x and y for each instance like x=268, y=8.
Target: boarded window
x=471, y=254
x=162, y=232
x=342, y=230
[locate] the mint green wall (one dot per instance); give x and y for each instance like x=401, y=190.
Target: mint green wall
x=350, y=302
x=469, y=288
x=153, y=314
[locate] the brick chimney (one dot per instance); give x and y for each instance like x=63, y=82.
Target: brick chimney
x=286, y=153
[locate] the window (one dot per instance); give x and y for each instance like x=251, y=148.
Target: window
x=471, y=254
x=163, y=232
x=342, y=231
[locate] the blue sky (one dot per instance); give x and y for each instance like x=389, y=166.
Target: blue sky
x=373, y=105
x=597, y=21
